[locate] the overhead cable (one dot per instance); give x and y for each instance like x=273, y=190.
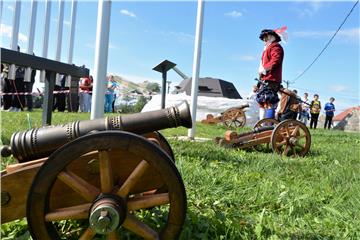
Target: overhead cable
x=327, y=43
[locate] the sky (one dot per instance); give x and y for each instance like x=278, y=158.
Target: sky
x=144, y=33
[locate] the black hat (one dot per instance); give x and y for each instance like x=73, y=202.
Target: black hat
x=269, y=32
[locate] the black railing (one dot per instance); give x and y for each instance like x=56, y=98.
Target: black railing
x=52, y=68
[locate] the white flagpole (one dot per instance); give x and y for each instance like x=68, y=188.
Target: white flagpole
x=46, y=35
x=101, y=58
x=196, y=67
x=30, y=49
x=15, y=36
x=72, y=30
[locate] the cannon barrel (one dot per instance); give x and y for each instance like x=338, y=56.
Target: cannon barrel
x=41, y=142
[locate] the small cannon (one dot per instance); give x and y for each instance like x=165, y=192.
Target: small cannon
x=289, y=137
x=232, y=118
x=104, y=173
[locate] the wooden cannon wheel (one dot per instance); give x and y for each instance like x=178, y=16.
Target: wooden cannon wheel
x=265, y=122
x=234, y=118
x=112, y=201
x=291, y=136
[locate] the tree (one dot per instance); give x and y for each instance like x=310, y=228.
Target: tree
x=153, y=87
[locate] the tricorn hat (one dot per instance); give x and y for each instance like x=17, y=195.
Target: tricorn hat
x=269, y=32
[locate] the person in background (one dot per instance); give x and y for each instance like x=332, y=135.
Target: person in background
x=18, y=100
x=60, y=96
x=315, y=107
x=5, y=87
x=299, y=108
x=109, y=95
x=85, y=97
x=270, y=72
x=304, y=114
x=329, y=112
x=28, y=86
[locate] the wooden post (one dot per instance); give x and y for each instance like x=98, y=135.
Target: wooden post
x=48, y=98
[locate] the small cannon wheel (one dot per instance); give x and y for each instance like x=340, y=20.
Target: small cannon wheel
x=265, y=122
x=234, y=118
x=291, y=136
x=110, y=204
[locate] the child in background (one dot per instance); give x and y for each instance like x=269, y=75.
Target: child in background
x=315, y=107
x=304, y=114
x=329, y=112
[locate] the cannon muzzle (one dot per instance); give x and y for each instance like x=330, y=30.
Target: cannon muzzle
x=41, y=142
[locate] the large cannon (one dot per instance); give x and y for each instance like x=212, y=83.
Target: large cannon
x=109, y=175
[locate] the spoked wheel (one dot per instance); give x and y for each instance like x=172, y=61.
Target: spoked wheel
x=265, y=122
x=291, y=137
x=102, y=181
x=234, y=118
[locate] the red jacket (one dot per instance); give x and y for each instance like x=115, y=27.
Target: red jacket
x=272, y=59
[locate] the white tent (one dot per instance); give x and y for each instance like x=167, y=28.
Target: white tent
x=206, y=105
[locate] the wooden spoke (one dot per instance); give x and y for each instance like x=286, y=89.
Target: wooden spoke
x=133, y=178
x=281, y=143
x=293, y=150
x=286, y=151
x=300, y=146
x=88, y=234
x=113, y=236
x=139, y=228
x=106, y=174
x=147, y=201
x=79, y=185
x=74, y=212
x=295, y=131
x=287, y=131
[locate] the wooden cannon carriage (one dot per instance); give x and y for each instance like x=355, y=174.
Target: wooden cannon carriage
x=289, y=137
x=104, y=174
x=232, y=118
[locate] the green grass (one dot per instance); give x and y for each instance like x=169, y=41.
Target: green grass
x=252, y=195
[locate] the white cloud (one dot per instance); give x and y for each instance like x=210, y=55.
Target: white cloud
x=243, y=58
x=11, y=8
x=6, y=30
x=312, y=7
x=347, y=34
x=247, y=58
x=179, y=36
x=339, y=88
x=113, y=46
x=234, y=14
x=67, y=23
x=127, y=13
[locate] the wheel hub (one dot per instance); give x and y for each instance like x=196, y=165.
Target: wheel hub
x=107, y=214
x=293, y=141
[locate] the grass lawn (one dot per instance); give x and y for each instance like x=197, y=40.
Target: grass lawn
x=242, y=194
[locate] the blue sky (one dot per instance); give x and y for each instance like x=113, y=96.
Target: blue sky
x=142, y=34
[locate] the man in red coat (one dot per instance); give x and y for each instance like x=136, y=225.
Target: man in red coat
x=270, y=72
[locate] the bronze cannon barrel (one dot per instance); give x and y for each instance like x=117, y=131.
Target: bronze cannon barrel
x=41, y=142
